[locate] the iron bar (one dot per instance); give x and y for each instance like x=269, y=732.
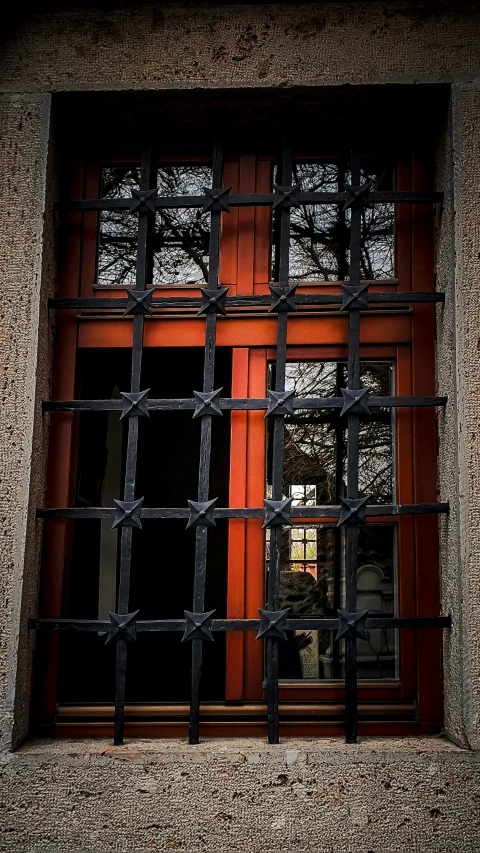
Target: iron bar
x=201, y=532
x=193, y=302
x=250, y=199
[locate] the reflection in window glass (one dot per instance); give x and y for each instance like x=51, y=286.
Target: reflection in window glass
x=312, y=583
x=180, y=254
x=320, y=234
x=316, y=440
x=182, y=235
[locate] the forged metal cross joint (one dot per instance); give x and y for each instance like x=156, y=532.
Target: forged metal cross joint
x=207, y=403
x=272, y=623
x=213, y=301
x=352, y=511
x=139, y=302
x=198, y=626
x=277, y=512
x=352, y=624
x=355, y=297
x=355, y=400
x=283, y=299
x=202, y=514
x=216, y=200
x=143, y=200
x=280, y=403
x=135, y=404
x=357, y=196
x=128, y=513
x=286, y=197
x=123, y=627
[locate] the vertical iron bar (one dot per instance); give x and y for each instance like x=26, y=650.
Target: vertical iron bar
x=353, y=430
x=205, y=448
x=278, y=455
x=146, y=225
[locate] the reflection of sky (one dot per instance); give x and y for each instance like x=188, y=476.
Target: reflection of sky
x=319, y=234
x=181, y=235
x=311, y=447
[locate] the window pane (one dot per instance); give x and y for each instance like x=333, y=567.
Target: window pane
x=182, y=234
x=117, y=240
x=316, y=587
x=316, y=441
x=320, y=234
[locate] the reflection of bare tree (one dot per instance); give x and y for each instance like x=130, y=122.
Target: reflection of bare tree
x=320, y=234
x=315, y=442
x=181, y=235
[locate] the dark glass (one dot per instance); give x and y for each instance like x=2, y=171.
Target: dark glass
x=180, y=246
x=163, y=552
x=320, y=234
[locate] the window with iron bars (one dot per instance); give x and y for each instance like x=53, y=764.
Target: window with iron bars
x=310, y=414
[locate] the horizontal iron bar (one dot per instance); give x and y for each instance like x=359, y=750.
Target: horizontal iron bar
x=164, y=625
x=113, y=302
x=250, y=199
x=238, y=403
x=245, y=512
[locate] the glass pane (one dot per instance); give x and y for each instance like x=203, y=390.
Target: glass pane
x=320, y=234
x=117, y=239
x=182, y=235
x=316, y=441
x=316, y=587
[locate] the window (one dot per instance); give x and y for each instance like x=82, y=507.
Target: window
x=292, y=417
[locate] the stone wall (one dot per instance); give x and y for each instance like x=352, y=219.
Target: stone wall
x=236, y=795
x=242, y=795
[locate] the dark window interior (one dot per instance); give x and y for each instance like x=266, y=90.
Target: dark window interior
x=163, y=553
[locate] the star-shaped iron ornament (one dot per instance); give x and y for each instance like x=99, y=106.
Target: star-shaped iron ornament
x=213, y=300
x=202, y=514
x=135, y=404
x=216, y=200
x=280, y=403
x=355, y=401
x=139, y=302
x=272, y=623
x=357, y=196
x=355, y=297
x=198, y=626
x=286, y=197
x=352, y=624
x=143, y=200
x=128, y=513
x=352, y=511
x=207, y=403
x=277, y=512
x=283, y=299
x=123, y=627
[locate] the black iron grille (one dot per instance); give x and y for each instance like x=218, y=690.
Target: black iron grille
x=199, y=626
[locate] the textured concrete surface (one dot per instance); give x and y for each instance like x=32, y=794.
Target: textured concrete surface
x=24, y=123
x=389, y=796
x=242, y=795
x=458, y=359
x=157, y=46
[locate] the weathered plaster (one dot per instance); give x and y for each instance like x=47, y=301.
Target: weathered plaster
x=162, y=46
x=24, y=123
x=241, y=795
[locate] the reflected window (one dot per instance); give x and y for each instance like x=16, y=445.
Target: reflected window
x=316, y=440
x=312, y=584
x=180, y=253
x=320, y=234
x=312, y=580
